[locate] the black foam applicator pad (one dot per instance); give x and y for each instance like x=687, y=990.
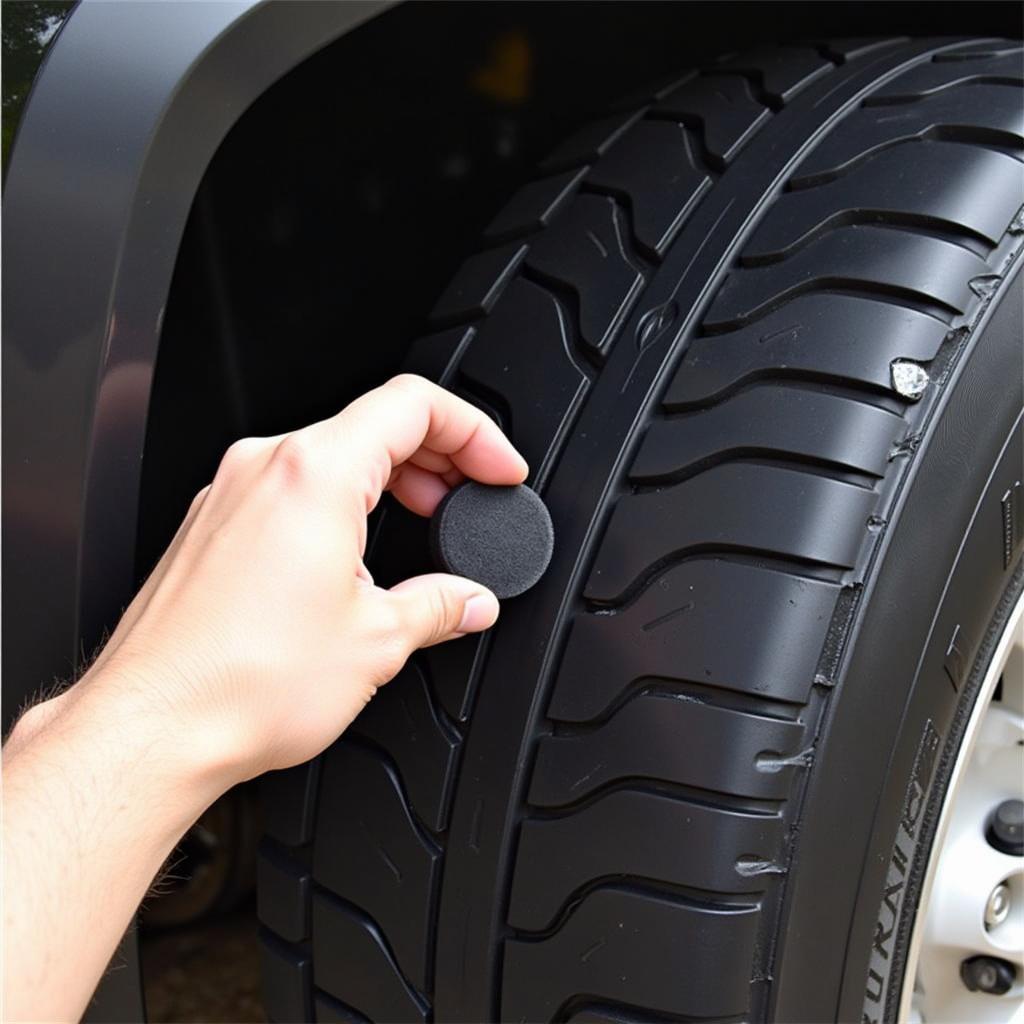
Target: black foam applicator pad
x=501, y=537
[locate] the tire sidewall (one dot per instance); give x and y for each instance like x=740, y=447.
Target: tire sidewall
x=919, y=638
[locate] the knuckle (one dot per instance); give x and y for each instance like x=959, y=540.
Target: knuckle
x=238, y=454
x=445, y=613
x=392, y=627
x=392, y=643
x=411, y=382
x=294, y=459
x=199, y=499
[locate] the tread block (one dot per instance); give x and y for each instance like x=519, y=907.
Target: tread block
x=352, y=963
x=285, y=973
x=435, y=356
x=665, y=737
x=925, y=79
x=591, y=141
x=771, y=421
x=330, y=1011
x=661, y=177
x=744, y=506
x=282, y=894
x=478, y=283
x=783, y=71
x=673, y=629
x=979, y=51
x=523, y=333
x=587, y=253
x=937, y=184
x=369, y=851
x=722, y=106
x=843, y=50
x=926, y=269
x=535, y=204
x=643, y=835
x=635, y=947
x=653, y=90
x=401, y=719
x=986, y=114
x=450, y=669
x=835, y=337
x=593, y=1012
x=288, y=798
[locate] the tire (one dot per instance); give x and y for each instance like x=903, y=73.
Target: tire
x=670, y=783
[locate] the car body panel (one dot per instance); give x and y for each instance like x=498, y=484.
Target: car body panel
x=124, y=116
x=130, y=106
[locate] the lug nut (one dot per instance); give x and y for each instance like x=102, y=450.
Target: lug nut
x=1005, y=831
x=997, y=909
x=988, y=974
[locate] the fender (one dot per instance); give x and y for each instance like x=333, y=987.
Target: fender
x=127, y=111
x=129, y=107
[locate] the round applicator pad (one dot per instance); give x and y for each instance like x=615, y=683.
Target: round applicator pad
x=499, y=536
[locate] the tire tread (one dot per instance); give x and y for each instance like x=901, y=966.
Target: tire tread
x=853, y=264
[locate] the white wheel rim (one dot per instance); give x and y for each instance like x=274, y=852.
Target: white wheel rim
x=964, y=869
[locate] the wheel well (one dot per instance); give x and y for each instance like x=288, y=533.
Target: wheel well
x=346, y=196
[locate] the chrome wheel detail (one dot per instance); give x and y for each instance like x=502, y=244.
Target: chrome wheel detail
x=966, y=956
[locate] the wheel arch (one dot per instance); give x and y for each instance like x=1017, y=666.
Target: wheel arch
x=124, y=100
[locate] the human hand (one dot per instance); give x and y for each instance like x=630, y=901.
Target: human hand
x=260, y=635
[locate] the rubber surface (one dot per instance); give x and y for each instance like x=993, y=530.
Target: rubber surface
x=499, y=536
x=687, y=326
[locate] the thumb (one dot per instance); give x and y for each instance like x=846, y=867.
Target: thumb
x=440, y=607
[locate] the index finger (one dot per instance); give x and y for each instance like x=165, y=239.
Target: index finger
x=387, y=426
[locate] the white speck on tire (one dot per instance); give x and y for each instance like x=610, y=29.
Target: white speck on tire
x=909, y=379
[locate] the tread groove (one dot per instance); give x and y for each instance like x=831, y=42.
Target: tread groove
x=967, y=135
x=683, y=895
x=808, y=568
x=897, y=220
x=425, y=834
x=755, y=557
x=788, y=377
x=755, y=456
x=683, y=794
x=686, y=690
x=567, y=302
x=879, y=291
x=963, y=83
x=584, y=1008
x=755, y=80
x=368, y=922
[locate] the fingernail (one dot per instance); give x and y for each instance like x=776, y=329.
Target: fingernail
x=479, y=612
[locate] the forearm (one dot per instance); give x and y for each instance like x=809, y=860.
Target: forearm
x=92, y=806
x=253, y=644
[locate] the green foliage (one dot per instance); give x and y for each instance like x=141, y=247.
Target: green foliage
x=27, y=26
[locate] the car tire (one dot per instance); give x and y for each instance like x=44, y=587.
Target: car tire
x=758, y=336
